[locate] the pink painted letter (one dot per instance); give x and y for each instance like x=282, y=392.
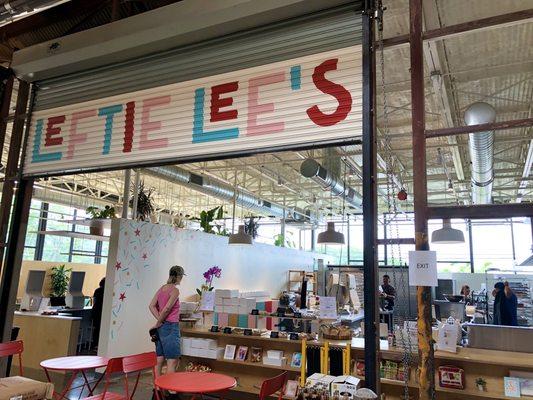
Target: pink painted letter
x=254, y=108
x=76, y=138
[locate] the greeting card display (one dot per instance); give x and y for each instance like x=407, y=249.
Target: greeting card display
x=242, y=352
x=229, y=353
x=256, y=354
x=451, y=377
x=296, y=361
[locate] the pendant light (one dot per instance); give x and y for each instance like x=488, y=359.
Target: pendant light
x=241, y=237
x=447, y=234
x=330, y=235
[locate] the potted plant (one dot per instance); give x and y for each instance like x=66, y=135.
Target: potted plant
x=59, y=285
x=145, y=202
x=208, y=216
x=97, y=215
x=209, y=275
x=481, y=384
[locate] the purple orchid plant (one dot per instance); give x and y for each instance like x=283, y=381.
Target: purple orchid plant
x=209, y=275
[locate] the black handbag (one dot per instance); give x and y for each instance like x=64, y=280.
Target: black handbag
x=154, y=335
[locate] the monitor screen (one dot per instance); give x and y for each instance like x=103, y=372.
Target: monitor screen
x=76, y=282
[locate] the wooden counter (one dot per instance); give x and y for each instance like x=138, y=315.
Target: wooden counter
x=491, y=365
x=45, y=336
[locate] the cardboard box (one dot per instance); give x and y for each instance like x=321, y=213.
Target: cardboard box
x=215, y=354
x=197, y=343
x=278, y=362
x=345, y=385
x=225, y=293
x=210, y=344
x=20, y=388
x=230, y=302
x=325, y=380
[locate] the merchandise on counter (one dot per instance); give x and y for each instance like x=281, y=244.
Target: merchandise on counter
x=526, y=381
x=229, y=353
x=278, y=362
x=345, y=385
x=451, y=377
x=360, y=367
x=197, y=347
x=242, y=353
x=335, y=332
x=320, y=381
x=296, y=360
x=197, y=367
x=291, y=389
x=511, y=386
x=256, y=354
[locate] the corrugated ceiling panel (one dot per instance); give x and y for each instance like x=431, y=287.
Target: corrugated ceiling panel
x=330, y=30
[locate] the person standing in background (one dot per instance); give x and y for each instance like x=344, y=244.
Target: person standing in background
x=388, y=293
x=96, y=312
x=467, y=295
x=505, y=305
x=165, y=307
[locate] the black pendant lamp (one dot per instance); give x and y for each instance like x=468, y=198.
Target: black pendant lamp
x=330, y=236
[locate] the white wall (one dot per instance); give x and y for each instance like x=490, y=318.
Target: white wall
x=146, y=251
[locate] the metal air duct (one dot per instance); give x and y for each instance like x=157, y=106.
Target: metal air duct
x=481, y=146
x=221, y=190
x=310, y=168
x=13, y=8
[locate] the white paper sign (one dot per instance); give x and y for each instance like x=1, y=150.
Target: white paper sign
x=208, y=301
x=423, y=268
x=328, y=307
x=447, y=339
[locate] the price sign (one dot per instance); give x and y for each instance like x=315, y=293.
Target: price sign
x=274, y=335
x=247, y=332
x=227, y=330
x=215, y=328
x=294, y=336
x=255, y=311
x=423, y=268
x=207, y=303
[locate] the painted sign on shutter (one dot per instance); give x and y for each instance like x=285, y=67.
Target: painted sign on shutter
x=309, y=100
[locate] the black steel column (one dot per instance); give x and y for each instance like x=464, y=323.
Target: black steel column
x=471, y=246
x=370, y=203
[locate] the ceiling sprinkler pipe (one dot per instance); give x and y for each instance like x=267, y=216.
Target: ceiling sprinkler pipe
x=13, y=8
x=481, y=147
x=311, y=169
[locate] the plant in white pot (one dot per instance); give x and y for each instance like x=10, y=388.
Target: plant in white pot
x=481, y=384
x=97, y=216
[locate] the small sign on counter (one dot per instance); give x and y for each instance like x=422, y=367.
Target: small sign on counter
x=207, y=302
x=328, y=307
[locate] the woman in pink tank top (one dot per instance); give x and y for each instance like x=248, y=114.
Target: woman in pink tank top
x=165, y=307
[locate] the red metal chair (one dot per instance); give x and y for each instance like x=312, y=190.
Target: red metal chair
x=137, y=364
x=114, y=366
x=13, y=348
x=273, y=385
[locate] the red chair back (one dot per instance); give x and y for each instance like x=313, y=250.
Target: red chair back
x=139, y=363
x=114, y=365
x=13, y=348
x=273, y=385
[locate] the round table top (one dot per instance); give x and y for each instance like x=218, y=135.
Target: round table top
x=74, y=363
x=195, y=382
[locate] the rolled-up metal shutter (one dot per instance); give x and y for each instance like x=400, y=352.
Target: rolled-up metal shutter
x=327, y=30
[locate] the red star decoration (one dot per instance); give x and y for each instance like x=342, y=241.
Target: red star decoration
x=118, y=265
x=137, y=232
x=122, y=296
x=145, y=256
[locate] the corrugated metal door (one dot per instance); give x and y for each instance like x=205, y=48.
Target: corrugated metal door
x=329, y=30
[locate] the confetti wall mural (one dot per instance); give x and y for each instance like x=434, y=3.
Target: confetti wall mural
x=140, y=255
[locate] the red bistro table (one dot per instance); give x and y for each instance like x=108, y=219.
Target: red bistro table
x=76, y=365
x=195, y=382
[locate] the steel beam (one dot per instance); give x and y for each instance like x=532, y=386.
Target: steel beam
x=7, y=90
x=470, y=26
x=482, y=211
x=462, y=130
x=11, y=171
x=396, y=241
x=426, y=376
x=370, y=207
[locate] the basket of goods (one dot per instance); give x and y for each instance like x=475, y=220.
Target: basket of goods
x=336, y=332
x=197, y=367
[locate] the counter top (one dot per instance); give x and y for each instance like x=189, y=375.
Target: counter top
x=37, y=314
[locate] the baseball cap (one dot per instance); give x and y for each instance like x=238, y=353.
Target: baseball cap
x=176, y=270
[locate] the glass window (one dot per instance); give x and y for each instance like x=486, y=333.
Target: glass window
x=492, y=245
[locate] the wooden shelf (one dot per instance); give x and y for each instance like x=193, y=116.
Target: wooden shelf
x=477, y=393
x=206, y=333
x=76, y=235
x=248, y=363
x=102, y=222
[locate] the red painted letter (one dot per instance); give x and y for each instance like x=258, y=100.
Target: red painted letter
x=334, y=89
x=149, y=126
x=52, y=130
x=128, y=127
x=217, y=103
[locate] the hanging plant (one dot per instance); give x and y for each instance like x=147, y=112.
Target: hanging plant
x=145, y=204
